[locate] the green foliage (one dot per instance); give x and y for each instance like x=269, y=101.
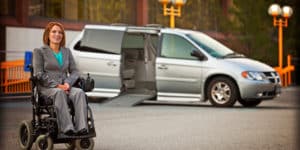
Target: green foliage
x=255, y=27
x=105, y=11
x=95, y=11
x=258, y=27
x=246, y=20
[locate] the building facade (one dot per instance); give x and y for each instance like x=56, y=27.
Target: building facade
x=22, y=21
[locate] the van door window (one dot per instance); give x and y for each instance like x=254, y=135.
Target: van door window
x=98, y=40
x=174, y=46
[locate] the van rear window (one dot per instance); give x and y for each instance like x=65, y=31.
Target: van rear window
x=108, y=41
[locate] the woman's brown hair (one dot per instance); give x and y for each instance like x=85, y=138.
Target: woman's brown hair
x=47, y=32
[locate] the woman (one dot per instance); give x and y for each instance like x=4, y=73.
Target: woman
x=56, y=71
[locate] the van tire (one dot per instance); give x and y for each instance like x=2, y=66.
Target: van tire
x=222, y=92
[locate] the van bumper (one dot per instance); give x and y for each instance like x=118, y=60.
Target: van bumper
x=259, y=90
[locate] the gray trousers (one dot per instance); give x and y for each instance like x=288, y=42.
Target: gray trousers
x=64, y=118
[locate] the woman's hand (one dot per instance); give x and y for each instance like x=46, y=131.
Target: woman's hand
x=65, y=87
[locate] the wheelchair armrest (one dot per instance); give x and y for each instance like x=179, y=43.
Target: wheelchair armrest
x=86, y=85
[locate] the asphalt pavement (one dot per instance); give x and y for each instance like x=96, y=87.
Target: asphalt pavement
x=273, y=125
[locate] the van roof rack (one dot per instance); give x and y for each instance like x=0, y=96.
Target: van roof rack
x=154, y=25
x=119, y=24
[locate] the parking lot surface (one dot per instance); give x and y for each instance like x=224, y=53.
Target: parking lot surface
x=272, y=125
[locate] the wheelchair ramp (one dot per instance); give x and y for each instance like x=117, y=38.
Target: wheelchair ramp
x=128, y=100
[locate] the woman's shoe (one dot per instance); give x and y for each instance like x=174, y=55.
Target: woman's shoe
x=69, y=132
x=82, y=132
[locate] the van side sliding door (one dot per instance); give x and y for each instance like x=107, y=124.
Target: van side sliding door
x=100, y=56
x=178, y=73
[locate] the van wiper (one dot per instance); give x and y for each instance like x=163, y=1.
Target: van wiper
x=233, y=55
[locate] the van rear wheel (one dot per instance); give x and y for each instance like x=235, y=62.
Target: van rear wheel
x=222, y=92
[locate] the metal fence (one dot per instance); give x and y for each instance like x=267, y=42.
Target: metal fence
x=13, y=78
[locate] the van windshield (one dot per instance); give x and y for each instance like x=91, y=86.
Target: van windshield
x=211, y=46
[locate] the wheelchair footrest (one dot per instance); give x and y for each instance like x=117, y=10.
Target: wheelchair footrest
x=63, y=136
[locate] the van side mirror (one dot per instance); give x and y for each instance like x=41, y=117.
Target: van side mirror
x=198, y=54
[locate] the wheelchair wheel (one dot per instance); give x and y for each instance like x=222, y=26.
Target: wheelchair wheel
x=70, y=145
x=84, y=144
x=25, y=135
x=44, y=142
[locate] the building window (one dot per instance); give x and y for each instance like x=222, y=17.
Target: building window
x=7, y=7
x=94, y=11
x=47, y=8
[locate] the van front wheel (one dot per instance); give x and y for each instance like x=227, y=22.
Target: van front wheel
x=222, y=92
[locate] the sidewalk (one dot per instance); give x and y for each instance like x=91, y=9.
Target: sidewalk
x=14, y=97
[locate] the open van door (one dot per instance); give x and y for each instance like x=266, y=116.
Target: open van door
x=100, y=49
x=138, y=59
x=137, y=69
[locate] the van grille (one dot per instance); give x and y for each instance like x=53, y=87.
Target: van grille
x=272, y=77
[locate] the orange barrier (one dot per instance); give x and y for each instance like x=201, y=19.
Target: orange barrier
x=13, y=79
x=285, y=73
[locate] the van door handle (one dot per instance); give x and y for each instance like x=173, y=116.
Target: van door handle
x=111, y=64
x=162, y=67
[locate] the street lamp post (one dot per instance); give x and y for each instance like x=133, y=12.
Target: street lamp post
x=285, y=12
x=174, y=10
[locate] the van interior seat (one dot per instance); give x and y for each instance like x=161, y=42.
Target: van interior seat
x=128, y=72
x=138, y=66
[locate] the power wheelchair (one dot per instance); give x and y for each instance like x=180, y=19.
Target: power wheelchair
x=43, y=129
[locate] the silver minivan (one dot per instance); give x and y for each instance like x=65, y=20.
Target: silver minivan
x=172, y=64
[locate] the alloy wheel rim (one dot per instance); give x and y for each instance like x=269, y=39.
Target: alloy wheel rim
x=221, y=92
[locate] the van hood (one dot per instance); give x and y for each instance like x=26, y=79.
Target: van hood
x=248, y=64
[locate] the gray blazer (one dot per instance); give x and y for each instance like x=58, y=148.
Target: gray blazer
x=48, y=71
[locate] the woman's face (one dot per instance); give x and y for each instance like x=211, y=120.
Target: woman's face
x=55, y=35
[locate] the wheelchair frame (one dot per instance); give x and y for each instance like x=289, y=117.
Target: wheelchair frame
x=43, y=130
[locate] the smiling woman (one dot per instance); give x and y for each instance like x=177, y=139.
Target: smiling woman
x=56, y=72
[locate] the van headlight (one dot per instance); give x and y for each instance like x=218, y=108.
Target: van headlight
x=254, y=75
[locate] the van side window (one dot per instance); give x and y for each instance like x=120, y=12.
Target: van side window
x=174, y=46
x=133, y=41
x=101, y=41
